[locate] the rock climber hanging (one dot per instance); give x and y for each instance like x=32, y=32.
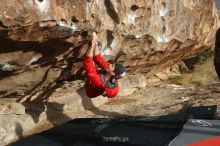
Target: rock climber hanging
x=101, y=82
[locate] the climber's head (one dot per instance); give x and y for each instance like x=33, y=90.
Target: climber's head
x=119, y=70
x=116, y=70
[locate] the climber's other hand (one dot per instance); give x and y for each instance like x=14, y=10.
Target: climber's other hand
x=94, y=39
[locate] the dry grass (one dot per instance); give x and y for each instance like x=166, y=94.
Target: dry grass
x=203, y=74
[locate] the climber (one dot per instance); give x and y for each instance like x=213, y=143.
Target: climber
x=103, y=82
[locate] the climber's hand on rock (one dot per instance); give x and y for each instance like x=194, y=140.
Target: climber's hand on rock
x=104, y=94
x=94, y=39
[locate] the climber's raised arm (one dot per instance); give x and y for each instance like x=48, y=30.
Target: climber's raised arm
x=94, y=42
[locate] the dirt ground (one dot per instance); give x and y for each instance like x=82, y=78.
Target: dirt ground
x=160, y=100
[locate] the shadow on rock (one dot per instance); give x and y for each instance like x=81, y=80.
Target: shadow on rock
x=53, y=112
x=88, y=105
x=19, y=130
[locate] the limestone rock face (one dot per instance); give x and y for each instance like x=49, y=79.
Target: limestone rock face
x=40, y=20
x=42, y=44
x=44, y=41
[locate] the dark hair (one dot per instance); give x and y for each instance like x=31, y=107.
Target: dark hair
x=119, y=69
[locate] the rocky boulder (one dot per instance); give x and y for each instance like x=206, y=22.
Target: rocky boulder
x=43, y=42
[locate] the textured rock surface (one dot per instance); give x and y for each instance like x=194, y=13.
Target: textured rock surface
x=45, y=39
x=42, y=43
